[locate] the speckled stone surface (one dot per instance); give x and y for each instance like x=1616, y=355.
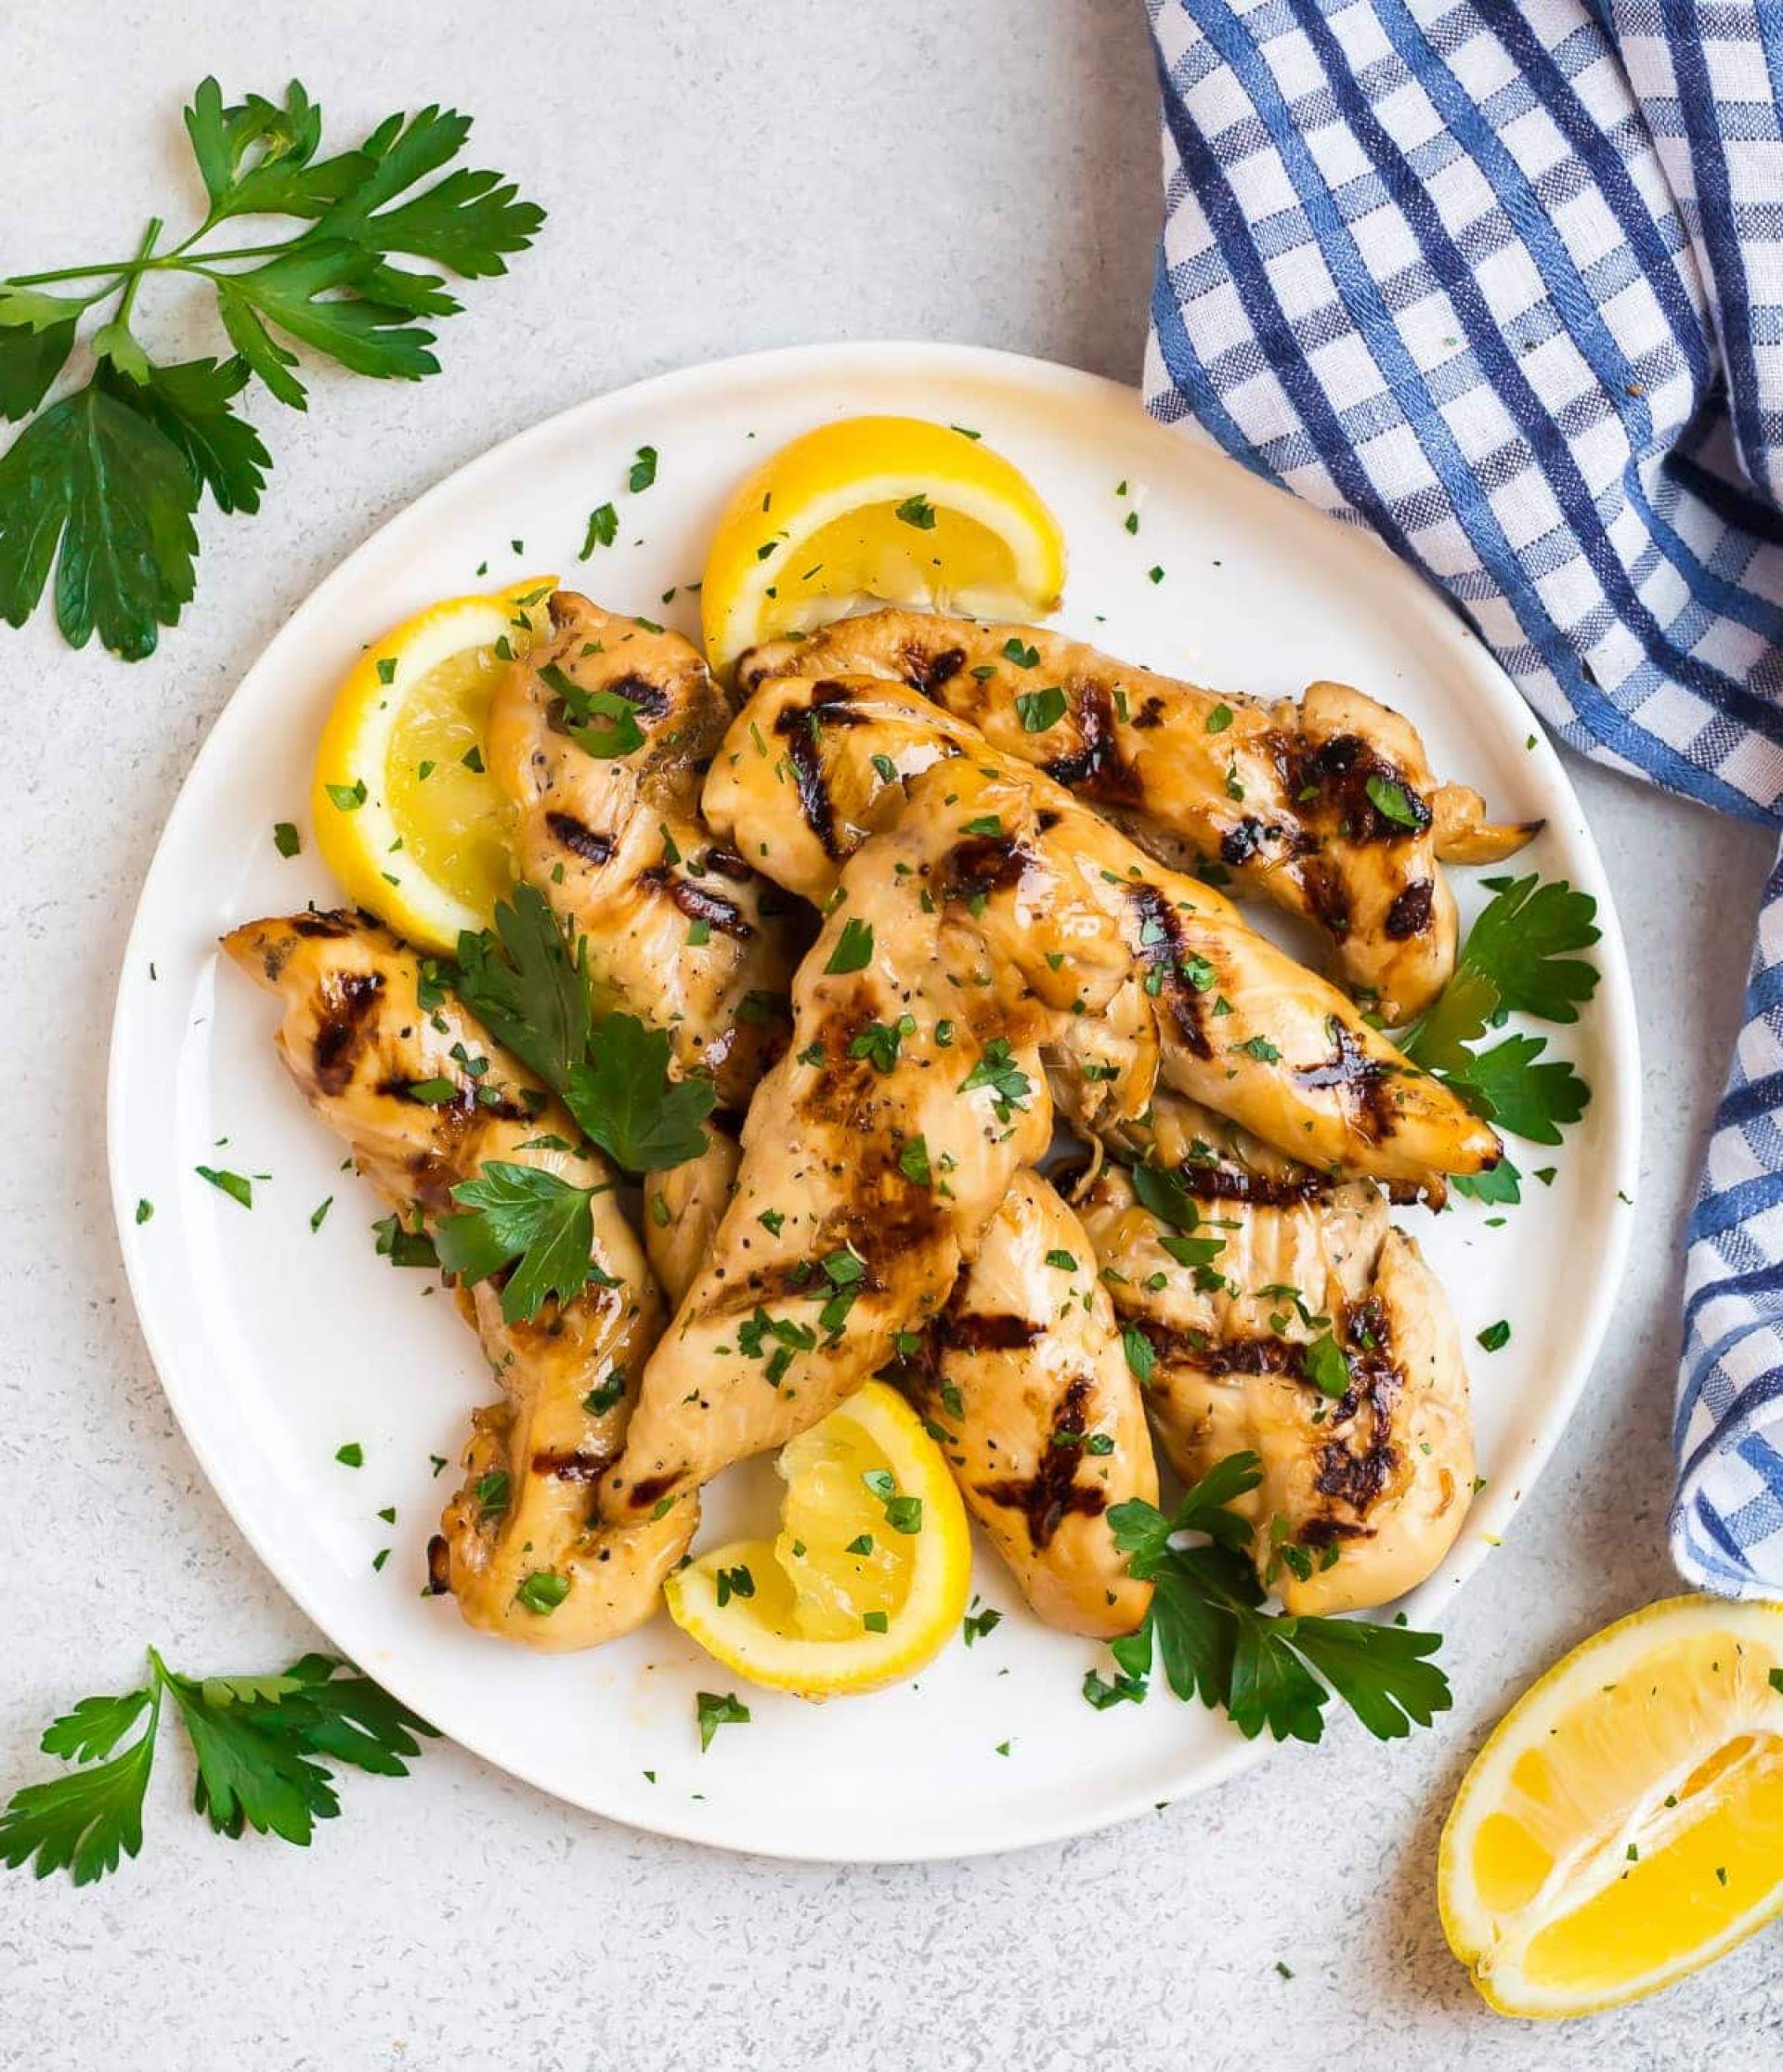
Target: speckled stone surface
x=719, y=179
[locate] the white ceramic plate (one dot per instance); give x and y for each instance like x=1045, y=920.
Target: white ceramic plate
x=277, y=1345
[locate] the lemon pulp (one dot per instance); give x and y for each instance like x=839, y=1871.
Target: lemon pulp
x=457, y=826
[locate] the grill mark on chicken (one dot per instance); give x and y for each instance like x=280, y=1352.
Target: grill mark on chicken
x=577, y=1466
x=794, y=726
x=324, y=925
x=1361, y=1079
x=728, y=863
x=587, y=843
x=699, y=904
x=1053, y=1491
x=1328, y=897
x=1232, y=1183
x=975, y=1330
x=652, y=1490
x=1160, y=949
x=927, y=672
x=640, y=693
x=1341, y=770
x=1410, y=914
x=348, y=1000
x=982, y=865
x=1096, y=770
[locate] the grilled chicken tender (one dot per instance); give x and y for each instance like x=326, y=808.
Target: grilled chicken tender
x=1363, y=1494
x=357, y=1040
x=683, y=1207
x=1326, y=806
x=1043, y=1424
x=680, y=931
x=874, y=1154
x=1073, y=914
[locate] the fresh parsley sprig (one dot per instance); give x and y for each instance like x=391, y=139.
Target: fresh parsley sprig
x=530, y=991
x=1518, y=958
x=104, y=483
x=261, y=1745
x=1214, y=1641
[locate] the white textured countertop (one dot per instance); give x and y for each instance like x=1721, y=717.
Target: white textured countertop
x=718, y=178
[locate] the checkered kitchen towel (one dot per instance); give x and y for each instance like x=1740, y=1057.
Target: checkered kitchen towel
x=1503, y=280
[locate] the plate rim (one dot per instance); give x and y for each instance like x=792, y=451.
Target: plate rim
x=897, y=359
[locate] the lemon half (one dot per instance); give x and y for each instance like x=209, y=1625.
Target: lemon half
x=870, y=1571
x=893, y=509
x=1624, y=1823
x=405, y=815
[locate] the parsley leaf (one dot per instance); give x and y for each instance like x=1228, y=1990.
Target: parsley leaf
x=102, y=484
x=624, y=1099
x=523, y=986
x=263, y=1745
x=93, y=478
x=1517, y=959
x=520, y=1213
x=1215, y=1641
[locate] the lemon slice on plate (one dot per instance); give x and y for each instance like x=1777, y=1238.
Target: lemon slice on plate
x=405, y=815
x=1624, y=1823
x=870, y=1574
x=893, y=509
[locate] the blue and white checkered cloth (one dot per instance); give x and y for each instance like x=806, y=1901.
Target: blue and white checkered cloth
x=1503, y=279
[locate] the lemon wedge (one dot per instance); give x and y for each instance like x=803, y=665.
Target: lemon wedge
x=868, y=1575
x=893, y=509
x=405, y=815
x=1624, y=1823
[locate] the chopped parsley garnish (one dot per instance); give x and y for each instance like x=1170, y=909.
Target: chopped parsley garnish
x=602, y=529
x=916, y=511
x=1219, y=719
x=913, y=1161
x=1327, y=1368
x=542, y=1592
x=601, y=723
x=237, y=1186
x=643, y=470
x=350, y=1456
x=713, y=1711
x=1215, y=1641
x=979, y=1625
x=346, y=798
x=1259, y=1048
x=1037, y=710
x=998, y=1070
x=285, y=838
x=1018, y=651
x=853, y=949
x=880, y=1040
x=1495, y=1337
x=1394, y=803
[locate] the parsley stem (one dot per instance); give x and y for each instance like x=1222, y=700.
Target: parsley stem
x=129, y=298
x=174, y=261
